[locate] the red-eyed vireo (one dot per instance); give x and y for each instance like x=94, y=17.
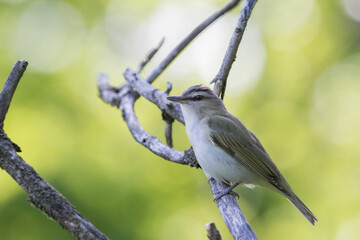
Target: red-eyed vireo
x=226, y=150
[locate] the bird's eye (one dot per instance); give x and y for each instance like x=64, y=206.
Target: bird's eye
x=198, y=98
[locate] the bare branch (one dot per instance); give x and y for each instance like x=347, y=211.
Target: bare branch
x=9, y=88
x=180, y=47
x=126, y=105
x=213, y=233
x=154, y=95
x=232, y=214
x=149, y=56
x=230, y=56
x=40, y=192
x=109, y=94
x=43, y=195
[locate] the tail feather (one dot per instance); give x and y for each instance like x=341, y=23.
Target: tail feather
x=295, y=200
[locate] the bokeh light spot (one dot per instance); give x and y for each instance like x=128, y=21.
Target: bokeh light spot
x=48, y=35
x=336, y=111
x=349, y=230
x=289, y=16
x=352, y=8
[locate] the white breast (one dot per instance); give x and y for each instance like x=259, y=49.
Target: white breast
x=213, y=160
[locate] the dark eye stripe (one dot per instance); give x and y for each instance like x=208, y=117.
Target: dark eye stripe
x=198, y=97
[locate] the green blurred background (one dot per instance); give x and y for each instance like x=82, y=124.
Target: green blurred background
x=295, y=84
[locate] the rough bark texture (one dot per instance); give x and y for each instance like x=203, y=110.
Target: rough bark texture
x=232, y=214
x=41, y=194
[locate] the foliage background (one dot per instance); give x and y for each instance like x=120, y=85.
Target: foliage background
x=295, y=84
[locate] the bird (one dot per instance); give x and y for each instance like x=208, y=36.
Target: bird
x=228, y=151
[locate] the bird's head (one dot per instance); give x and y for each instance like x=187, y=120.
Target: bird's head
x=199, y=100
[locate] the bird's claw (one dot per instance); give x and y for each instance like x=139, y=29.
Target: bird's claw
x=226, y=192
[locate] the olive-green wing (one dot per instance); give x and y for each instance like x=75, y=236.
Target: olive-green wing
x=230, y=134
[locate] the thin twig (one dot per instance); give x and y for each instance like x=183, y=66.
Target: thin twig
x=41, y=193
x=230, y=55
x=194, y=33
x=168, y=128
x=213, y=232
x=168, y=88
x=149, y=56
x=9, y=88
x=168, y=120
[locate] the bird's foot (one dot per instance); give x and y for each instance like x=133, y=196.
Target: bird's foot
x=226, y=192
x=210, y=179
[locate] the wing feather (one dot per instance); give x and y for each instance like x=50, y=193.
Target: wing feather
x=236, y=140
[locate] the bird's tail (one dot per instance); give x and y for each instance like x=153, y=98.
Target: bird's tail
x=295, y=200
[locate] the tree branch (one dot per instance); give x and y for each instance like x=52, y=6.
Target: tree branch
x=156, y=96
x=230, y=55
x=40, y=192
x=126, y=100
x=232, y=214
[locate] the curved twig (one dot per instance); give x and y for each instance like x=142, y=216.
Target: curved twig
x=126, y=100
x=150, y=55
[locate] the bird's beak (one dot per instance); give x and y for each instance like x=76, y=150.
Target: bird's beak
x=178, y=99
